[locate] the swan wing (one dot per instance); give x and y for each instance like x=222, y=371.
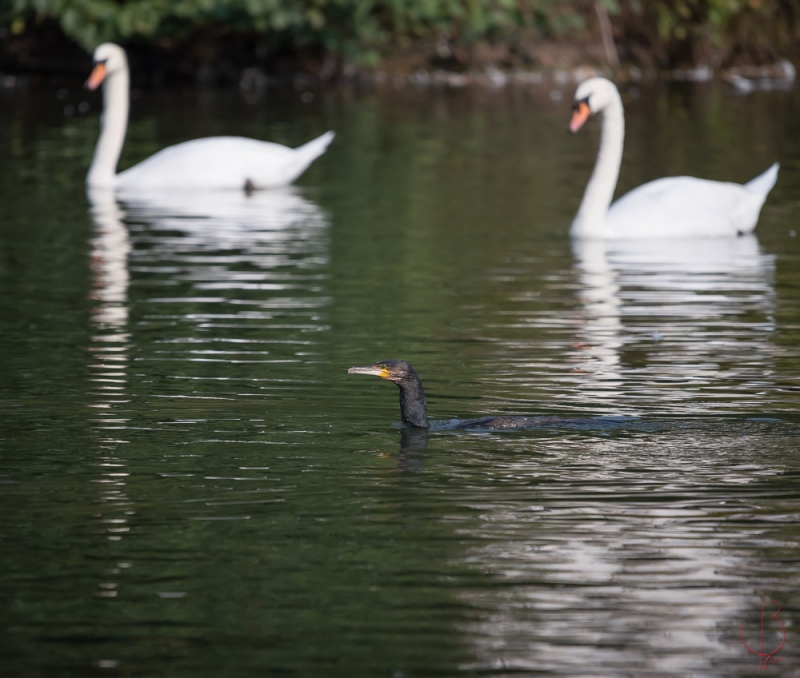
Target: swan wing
x=221, y=163
x=687, y=207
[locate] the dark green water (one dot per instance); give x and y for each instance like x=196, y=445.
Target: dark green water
x=191, y=484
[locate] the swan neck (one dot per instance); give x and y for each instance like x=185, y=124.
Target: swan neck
x=591, y=218
x=113, y=124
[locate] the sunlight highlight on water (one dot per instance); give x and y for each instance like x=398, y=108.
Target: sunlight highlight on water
x=194, y=485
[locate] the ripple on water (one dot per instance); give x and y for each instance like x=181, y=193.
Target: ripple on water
x=658, y=326
x=230, y=502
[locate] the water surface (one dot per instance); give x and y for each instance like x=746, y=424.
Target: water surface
x=192, y=484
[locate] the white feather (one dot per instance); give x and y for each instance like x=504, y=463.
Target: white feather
x=674, y=207
x=213, y=163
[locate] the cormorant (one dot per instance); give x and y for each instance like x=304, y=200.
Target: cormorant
x=414, y=409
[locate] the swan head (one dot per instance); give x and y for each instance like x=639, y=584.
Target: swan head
x=108, y=59
x=594, y=95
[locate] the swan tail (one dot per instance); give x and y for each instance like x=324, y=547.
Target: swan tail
x=763, y=183
x=316, y=147
x=304, y=155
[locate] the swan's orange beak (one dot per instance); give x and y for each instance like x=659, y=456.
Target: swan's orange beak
x=97, y=76
x=579, y=116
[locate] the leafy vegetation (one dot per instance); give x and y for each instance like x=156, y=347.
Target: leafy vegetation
x=713, y=31
x=354, y=28
x=663, y=32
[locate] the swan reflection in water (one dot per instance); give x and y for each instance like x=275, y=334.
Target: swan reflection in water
x=110, y=349
x=229, y=219
x=268, y=240
x=692, y=311
x=110, y=248
x=611, y=551
x=229, y=282
x=267, y=230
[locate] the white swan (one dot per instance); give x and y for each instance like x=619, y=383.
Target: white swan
x=202, y=164
x=674, y=207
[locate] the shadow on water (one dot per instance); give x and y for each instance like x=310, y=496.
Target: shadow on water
x=413, y=442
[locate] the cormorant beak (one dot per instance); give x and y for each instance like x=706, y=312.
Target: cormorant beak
x=580, y=114
x=377, y=370
x=97, y=76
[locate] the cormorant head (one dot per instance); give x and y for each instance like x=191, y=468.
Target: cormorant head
x=413, y=406
x=592, y=96
x=394, y=370
x=108, y=59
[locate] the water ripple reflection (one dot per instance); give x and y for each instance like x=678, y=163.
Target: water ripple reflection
x=625, y=554
x=238, y=278
x=697, y=314
x=659, y=325
x=204, y=491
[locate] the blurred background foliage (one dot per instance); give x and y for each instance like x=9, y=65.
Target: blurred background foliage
x=439, y=33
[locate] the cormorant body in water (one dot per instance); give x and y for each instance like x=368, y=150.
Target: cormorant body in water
x=414, y=409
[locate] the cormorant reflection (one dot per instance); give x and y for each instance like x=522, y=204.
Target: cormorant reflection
x=413, y=442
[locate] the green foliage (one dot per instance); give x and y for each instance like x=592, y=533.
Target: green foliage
x=349, y=27
x=360, y=30
x=710, y=19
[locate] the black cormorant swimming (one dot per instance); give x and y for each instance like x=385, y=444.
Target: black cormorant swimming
x=414, y=410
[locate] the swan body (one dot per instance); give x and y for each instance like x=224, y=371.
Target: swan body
x=231, y=163
x=673, y=207
x=213, y=163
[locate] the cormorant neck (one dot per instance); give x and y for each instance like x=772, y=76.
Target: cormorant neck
x=413, y=406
